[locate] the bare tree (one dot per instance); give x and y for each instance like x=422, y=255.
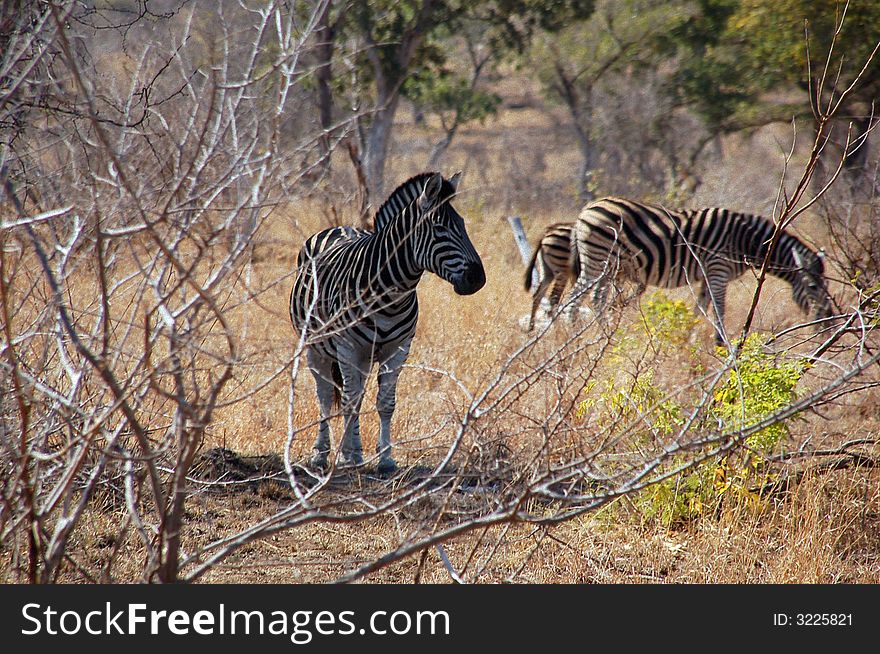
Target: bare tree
x=607, y=74
x=156, y=214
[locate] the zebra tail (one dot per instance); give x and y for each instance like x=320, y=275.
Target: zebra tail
x=574, y=261
x=531, y=267
x=336, y=372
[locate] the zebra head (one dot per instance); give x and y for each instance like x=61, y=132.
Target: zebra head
x=444, y=247
x=809, y=287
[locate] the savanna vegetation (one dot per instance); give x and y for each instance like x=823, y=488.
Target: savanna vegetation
x=163, y=161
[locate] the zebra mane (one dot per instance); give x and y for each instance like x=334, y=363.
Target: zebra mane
x=404, y=195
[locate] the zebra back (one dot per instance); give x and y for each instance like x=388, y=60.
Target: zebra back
x=320, y=242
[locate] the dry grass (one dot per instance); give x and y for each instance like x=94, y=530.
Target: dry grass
x=824, y=529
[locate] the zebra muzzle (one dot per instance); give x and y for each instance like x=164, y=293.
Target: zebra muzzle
x=471, y=280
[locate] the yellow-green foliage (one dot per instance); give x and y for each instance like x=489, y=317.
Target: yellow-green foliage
x=668, y=321
x=685, y=497
x=635, y=396
x=640, y=401
x=668, y=324
x=757, y=386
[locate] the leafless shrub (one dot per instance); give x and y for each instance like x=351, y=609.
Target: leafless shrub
x=117, y=291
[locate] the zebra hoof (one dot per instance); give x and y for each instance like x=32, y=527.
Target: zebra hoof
x=352, y=460
x=386, y=466
x=319, y=460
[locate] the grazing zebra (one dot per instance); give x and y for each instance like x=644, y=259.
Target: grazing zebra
x=556, y=263
x=650, y=245
x=354, y=298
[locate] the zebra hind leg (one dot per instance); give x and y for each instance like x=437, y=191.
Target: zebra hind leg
x=576, y=298
x=600, y=302
x=536, y=300
x=327, y=392
x=559, y=283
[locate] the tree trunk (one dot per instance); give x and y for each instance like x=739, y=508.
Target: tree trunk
x=478, y=64
x=580, y=110
x=390, y=69
x=378, y=142
x=588, y=154
x=440, y=148
x=323, y=75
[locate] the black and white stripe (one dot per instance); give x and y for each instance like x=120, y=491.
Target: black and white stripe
x=316, y=244
x=556, y=262
x=619, y=239
x=354, y=301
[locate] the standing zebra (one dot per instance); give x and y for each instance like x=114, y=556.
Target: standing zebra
x=556, y=262
x=354, y=300
x=650, y=245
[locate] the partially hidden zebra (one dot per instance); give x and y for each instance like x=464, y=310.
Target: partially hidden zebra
x=623, y=240
x=354, y=302
x=556, y=263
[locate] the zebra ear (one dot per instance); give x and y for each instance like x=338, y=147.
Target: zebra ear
x=428, y=198
x=455, y=179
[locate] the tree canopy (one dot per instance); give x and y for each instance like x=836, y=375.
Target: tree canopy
x=748, y=62
x=389, y=41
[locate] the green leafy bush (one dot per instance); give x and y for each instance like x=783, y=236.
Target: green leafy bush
x=686, y=497
x=669, y=327
x=635, y=400
x=670, y=322
x=756, y=387
x=640, y=401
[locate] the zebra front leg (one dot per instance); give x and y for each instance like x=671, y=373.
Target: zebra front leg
x=353, y=382
x=386, y=401
x=328, y=395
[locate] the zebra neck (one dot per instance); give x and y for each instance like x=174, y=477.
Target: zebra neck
x=782, y=261
x=752, y=234
x=400, y=201
x=395, y=247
